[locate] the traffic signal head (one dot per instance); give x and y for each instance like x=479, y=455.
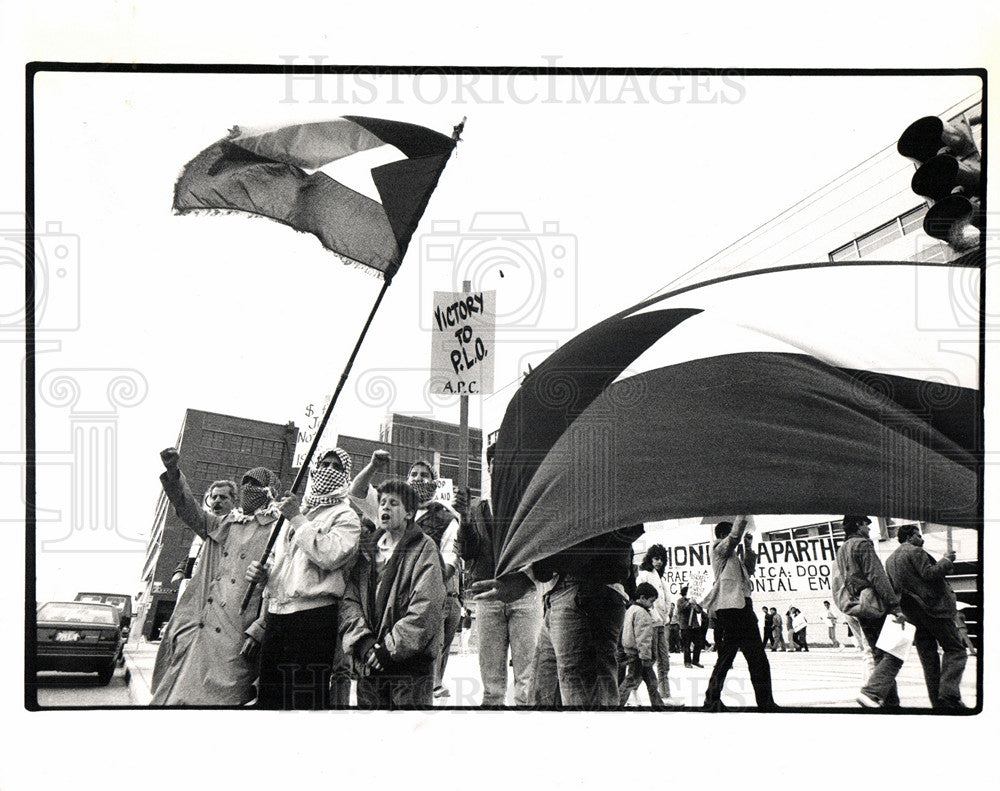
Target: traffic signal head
x=949, y=176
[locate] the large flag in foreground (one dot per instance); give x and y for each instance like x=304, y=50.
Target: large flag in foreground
x=826, y=388
x=275, y=173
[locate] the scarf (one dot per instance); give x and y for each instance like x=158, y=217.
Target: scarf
x=425, y=490
x=328, y=484
x=257, y=493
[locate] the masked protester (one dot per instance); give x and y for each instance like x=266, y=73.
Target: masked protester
x=297, y=631
x=199, y=661
x=440, y=523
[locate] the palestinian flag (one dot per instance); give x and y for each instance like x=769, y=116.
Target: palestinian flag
x=824, y=388
x=276, y=173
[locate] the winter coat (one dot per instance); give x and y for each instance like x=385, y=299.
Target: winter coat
x=916, y=575
x=637, y=632
x=404, y=611
x=862, y=569
x=198, y=662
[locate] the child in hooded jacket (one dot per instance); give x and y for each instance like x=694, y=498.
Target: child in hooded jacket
x=392, y=617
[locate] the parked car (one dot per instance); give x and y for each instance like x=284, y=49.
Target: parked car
x=120, y=600
x=81, y=637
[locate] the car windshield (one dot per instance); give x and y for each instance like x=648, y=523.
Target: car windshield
x=78, y=612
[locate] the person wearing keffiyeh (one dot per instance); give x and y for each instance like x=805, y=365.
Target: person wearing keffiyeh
x=297, y=631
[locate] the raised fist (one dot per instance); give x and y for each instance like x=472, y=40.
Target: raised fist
x=380, y=460
x=170, y=458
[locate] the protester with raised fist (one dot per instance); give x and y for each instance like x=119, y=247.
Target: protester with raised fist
x=199, y=662
x=298, y=629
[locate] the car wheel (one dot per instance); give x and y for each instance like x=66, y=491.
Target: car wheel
x=105, y=674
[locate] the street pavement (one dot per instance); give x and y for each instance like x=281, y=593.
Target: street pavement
x=823, y=678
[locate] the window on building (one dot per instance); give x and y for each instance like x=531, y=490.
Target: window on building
x=864, y=246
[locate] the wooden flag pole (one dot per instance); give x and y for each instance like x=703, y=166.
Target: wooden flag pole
x=463, y=426
x=303, y=469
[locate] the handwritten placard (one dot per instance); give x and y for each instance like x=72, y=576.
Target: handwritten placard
x=463, y=327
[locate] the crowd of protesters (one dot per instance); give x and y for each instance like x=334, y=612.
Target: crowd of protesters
x=362, y=588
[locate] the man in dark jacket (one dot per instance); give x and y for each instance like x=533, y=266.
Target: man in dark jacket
x=502, y=625
x=861, y=568
x=689, y=615
x=928, y=602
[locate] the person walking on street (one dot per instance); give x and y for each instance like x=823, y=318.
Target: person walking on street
x=768, y=635
x=689, y=613
x=778, y=637
x=860, y=568
x=637, y=643
x=736, y=627
x=928, y=602
x=799, y=624
x=651, y=572
x=831, y=619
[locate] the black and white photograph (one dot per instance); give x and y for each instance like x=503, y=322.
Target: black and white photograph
x=420, y=402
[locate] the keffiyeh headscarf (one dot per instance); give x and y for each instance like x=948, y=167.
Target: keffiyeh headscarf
x=257, y=493
x=328, y=484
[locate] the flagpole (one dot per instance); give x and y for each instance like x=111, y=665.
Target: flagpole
x=300, y=476
x=463, y=426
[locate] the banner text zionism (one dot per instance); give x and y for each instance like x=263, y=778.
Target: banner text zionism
x=789, y=565
x=524, y=86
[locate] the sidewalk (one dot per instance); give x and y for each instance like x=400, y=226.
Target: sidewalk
x=822, y=678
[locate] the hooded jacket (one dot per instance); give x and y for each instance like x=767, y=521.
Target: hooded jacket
x=404, y=610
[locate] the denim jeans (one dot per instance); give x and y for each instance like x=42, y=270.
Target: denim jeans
x=638, y=672
x=584, y=623
x=942, y=674
x=452, y=619
x=512, y=625
x=661, y=658
x=543, y=688
x=881, y=684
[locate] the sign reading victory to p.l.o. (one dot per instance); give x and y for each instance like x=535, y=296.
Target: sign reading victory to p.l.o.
x=462, y=333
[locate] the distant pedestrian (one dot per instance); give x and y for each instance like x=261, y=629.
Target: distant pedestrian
x=789, y=616
x=831, y=619
x=799, y=624
x=768, y=628
x=778, y=637
x=689, y=613
x=637, y=643
x=928, y=602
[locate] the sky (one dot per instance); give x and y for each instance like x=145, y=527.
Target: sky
x=591, y=192
x=182, y=312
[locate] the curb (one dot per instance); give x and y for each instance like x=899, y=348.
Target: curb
x=138, y=684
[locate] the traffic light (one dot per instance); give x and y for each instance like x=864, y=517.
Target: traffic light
x=949, y=176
